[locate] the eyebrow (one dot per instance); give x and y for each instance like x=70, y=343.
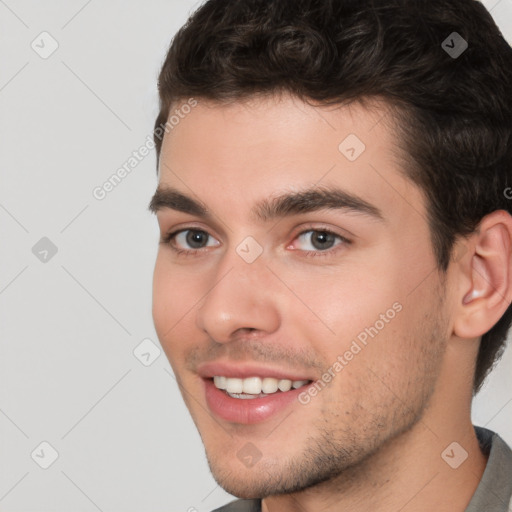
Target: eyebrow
x=268, y=209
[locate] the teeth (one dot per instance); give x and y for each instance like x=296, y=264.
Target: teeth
x=234, y=385
x=269, y=385
x=244, y=396
x=284, y=385
x=241, y=388
x=220, y=382
x=252, y=385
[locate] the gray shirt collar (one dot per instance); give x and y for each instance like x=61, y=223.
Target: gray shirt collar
x=494, y=491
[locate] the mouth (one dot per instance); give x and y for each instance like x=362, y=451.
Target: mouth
x=249, y=395
x=255, y=387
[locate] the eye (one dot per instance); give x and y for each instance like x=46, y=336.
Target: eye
x=320, y=242
x=195, y=239
x=191, y=242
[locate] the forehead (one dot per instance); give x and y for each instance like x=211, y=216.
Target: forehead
x=242, y=152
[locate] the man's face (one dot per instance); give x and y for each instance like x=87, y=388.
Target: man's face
x=285, y=295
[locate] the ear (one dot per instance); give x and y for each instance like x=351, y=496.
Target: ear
x=485, y=276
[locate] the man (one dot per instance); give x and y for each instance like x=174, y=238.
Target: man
x=334, y=277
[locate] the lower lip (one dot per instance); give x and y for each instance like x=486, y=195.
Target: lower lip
x=250, y=410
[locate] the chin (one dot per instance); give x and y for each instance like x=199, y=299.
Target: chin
x=256, y=482
x=269, y=477
x=245, y=486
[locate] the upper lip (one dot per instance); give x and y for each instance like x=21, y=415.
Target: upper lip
x=243, y=370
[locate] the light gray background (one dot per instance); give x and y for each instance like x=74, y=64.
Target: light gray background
x=69, y=326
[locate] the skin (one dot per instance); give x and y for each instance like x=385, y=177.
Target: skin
x=373, y=438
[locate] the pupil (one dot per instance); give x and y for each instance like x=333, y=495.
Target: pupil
x=195, y=237
x=324, y=238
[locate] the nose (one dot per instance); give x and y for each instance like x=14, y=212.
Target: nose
x=242, y=297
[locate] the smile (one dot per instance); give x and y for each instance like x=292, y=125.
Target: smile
x=251, y=400
x=255, y=387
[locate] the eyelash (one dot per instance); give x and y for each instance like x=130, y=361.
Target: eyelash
x=167, y=239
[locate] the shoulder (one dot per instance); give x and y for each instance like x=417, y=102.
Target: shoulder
x=494, y=492
x=495, y=447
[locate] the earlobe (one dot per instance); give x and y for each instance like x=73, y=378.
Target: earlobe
x=488, y=268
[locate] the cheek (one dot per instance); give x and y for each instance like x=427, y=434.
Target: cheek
x=163, y=295
x=174, y=297
x=368, y=324
x=343, y=303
